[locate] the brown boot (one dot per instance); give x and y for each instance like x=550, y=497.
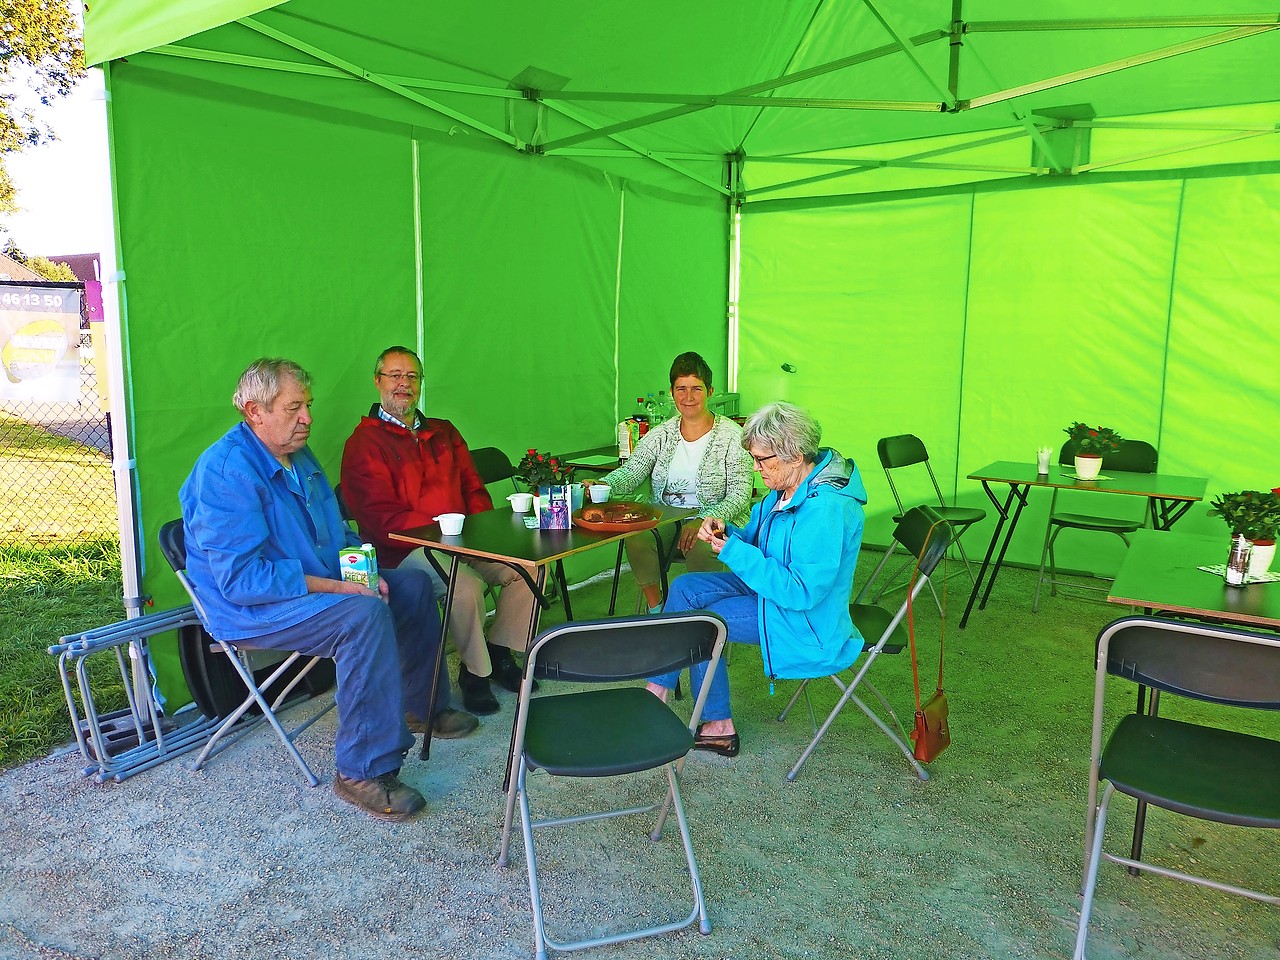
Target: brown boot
x=448, y=724
x=385, y=797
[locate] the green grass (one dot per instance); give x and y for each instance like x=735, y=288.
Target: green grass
x=46, y=592
x=59, y=574
x=52, y=489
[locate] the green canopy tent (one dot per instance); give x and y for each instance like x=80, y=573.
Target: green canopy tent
x=949, y=218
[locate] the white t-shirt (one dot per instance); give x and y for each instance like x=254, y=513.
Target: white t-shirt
x=682, y=474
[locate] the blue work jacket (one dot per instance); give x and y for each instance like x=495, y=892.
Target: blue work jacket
x=254, y=531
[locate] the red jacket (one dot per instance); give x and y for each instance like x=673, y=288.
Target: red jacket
x=394, y=479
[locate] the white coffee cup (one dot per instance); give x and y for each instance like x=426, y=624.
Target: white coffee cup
x=599, y=492
x=1043, y=454
x=521, y=502
x=450, y=523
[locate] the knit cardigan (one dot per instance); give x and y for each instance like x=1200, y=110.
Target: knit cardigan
x=724, y=476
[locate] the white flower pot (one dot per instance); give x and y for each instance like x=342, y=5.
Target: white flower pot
x=1260, y=558
x=1088, y=466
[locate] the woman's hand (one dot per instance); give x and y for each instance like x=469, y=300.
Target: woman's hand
x=712, y=531
x=688, y=537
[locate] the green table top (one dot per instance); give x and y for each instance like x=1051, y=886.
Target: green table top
x=1159, y=572
x=1161, y=486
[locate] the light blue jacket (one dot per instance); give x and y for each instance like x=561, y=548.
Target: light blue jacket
x=254, y=532
x=800, y=562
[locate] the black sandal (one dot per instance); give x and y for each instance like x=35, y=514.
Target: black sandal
x=726, y=745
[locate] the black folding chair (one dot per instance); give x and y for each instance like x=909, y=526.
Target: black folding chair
x=1197, y=770
x=925, y=535
x=1134, y=456
x=245, y=660
x=610, y=732
x=898, y=454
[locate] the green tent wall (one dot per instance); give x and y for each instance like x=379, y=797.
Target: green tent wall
x=955, y=221
x=986, y=321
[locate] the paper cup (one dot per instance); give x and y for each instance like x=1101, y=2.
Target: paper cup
x=450, y=523
x=599, y=492
x=521, y=502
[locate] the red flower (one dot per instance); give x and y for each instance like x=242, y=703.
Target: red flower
x=1093, y=433
x=1276, y=491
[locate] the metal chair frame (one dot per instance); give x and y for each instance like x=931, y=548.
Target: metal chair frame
x=1134, y=456
x=244, y=659
x=918, y=531
x=1221, y=775
x=605, y=733
x=908, y=450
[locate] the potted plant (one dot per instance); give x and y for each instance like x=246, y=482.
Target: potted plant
x=540, y=470
x=1254, y=515
x=1091, y=445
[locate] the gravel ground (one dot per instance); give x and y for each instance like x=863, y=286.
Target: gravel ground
x=857, y=858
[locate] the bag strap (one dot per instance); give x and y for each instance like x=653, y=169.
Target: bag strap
x=911, y=623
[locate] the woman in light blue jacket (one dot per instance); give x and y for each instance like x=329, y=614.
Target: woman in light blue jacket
x=790, y=568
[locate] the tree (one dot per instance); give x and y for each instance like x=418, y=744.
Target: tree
x=41, y=57
x=48, y=269
x=51, y=269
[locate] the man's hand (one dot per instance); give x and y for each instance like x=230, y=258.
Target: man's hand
x=384, y=590
x=330, y=585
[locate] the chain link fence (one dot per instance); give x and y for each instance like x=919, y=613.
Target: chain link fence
x=56, y=484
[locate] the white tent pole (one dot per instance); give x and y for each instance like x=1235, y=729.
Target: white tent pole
x=734, y=163
x=115, y=324
x=415, y=170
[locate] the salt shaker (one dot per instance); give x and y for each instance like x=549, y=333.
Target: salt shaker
x=1238, y=561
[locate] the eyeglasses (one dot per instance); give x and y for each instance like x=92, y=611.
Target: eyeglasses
x=761, y=461
x=409, y=378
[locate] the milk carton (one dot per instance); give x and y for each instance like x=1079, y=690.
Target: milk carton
x=360, y=565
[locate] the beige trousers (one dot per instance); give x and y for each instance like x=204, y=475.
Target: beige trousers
x=642, y=554
x=466, y=618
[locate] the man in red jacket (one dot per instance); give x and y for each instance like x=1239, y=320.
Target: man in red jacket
x=400, y=470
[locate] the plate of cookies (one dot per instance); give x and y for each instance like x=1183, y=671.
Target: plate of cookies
x=617, y=516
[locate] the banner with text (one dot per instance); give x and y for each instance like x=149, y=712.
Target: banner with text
x=40, y=342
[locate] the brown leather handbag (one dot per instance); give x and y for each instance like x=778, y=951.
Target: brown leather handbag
x=932, y=732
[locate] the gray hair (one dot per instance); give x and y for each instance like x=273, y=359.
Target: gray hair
x=392, y=351
x=262, y=380
x=783, y=429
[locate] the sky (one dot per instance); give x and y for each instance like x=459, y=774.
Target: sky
x=64, y=187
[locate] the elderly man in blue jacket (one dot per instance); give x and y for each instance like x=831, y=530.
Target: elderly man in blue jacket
x=263, y=535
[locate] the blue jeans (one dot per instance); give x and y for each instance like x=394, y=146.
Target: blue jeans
x=385, y=654
x=724, y=594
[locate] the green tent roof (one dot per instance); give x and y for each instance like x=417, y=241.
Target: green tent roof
x=815, y=98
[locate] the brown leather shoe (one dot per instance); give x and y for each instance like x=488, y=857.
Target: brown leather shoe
x=385, y=797
x=448, y=724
